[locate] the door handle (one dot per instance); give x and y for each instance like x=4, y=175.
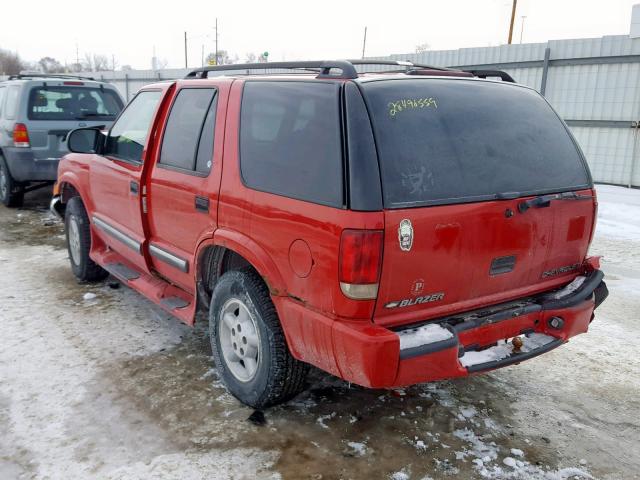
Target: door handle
x=134, y=187
x=202, y=204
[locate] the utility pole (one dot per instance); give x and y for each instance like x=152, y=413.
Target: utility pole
x=202, y=55
x=364, y=41
x=77, y=56
x=513, y=17
x=216, y=40
x=522, y=27
x=185, y=50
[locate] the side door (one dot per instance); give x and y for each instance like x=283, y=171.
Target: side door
x=4, y=140
x=182, y=193
x=115, y=178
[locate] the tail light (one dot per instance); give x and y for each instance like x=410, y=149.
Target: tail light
x=20, y=135
x=360, y=263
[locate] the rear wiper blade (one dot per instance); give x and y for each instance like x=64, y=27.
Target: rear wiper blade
x=87, y=115
x=545, y=200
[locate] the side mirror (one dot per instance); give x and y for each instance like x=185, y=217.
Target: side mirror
x=85, y=140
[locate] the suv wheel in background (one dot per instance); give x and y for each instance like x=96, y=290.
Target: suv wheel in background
x=78, y=235
x=248, y=343
x=11, y=192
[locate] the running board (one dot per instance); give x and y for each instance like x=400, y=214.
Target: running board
x=121, y=271
x=172, y=303
x=170, y=298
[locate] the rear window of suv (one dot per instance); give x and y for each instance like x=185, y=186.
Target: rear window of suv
x=451, y=141
x=290, y=140
x=73, y=103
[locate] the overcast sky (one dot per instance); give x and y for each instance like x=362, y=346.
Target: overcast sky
x=292, y=30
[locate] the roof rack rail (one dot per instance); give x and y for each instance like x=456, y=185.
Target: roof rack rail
x=347, y=68
x=399, y=63
x=504, y=76
x=322, y=67
x=47, y=75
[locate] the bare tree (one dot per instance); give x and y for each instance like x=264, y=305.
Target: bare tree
x=50, y=65
x=223, y=58
x=100, y=62
x=95, y=62
x=250, y=57
x=10, y=63
x=423, y=47
x=76, y=67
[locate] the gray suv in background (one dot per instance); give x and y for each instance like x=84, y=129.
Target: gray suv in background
x=36, y=113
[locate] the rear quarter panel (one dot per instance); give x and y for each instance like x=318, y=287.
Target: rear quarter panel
x=275, y=222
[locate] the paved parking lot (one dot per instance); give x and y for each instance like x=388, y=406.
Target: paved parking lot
x=106, y=385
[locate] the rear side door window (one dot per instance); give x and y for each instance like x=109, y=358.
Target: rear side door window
x=128, y=135
x=187, y=144
x=290, y=140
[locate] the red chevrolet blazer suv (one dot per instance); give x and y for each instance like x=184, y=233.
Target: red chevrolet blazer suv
x=392, y=227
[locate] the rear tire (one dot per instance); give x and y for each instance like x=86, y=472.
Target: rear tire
x=248, y=344
x=11, y=192
x=78, y=235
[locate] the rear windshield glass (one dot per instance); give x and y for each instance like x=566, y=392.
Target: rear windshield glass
x=447, y=141
x=73, y=103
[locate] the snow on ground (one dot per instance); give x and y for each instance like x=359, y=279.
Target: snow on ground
x=618, y=215
x=96, y=382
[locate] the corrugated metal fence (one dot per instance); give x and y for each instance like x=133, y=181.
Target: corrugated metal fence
x=593, y=83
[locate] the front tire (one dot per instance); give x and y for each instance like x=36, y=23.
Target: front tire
x=78, y=235
x=248, y=343
x=11, y=192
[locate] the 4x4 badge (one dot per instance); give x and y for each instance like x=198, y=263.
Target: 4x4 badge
x=405, y=235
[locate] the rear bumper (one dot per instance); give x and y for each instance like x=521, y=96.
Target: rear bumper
x=472, y=342
x=24, y=167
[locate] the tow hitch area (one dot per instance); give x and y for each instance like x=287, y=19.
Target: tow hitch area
x=506, y=352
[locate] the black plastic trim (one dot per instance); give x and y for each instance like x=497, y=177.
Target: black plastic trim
x=504, y=76
x=500, y=265
x=429, y=348
x=202, y=204
x=498, y=317
x=580, y=295
x=363, y=170
x=600, y=293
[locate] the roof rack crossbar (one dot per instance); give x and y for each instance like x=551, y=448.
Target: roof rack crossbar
x=324, y=66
